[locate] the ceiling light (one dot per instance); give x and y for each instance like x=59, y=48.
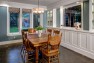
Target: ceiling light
x=38, y=10
x=78, y=2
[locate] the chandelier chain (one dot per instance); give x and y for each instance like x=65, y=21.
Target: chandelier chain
x=38, y=4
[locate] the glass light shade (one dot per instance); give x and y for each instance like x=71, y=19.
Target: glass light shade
x=38, y=10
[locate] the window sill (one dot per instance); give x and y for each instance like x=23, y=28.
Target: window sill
x=11, y=42
x=77, y=30
x=13, y=34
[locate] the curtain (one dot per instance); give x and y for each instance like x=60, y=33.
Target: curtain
x=14, y=10
x=26, y=10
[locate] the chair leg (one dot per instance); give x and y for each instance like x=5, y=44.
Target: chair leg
x=23, y=56
x=21, y=49
x=58, y=58
x=48, y=59
x=22, y=52
x=26, y=58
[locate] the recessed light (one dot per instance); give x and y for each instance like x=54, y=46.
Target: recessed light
x=6, y=5
x=78, y=2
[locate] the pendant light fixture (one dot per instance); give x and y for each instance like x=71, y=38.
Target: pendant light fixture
x=38, y=10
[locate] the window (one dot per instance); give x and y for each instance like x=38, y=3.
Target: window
x=36, y=20
x=72, y=15
x=50, y=18
x=14, y=19
x=18, y=21
x=26, y=18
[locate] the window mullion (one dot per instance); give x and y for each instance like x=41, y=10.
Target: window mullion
x=20, y=22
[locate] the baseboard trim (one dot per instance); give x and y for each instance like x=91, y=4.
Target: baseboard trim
x=11, y=42
x=79, y=50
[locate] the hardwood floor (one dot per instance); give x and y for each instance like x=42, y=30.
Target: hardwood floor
x=11, y=54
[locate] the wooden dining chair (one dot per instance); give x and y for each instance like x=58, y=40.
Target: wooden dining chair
x=50, y=50
x=31, y=30
x=56, y=32
x=28, y=50
x=22, y=47
x=49, y=31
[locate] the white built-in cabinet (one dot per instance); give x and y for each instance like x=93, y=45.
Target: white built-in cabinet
x=79, y=41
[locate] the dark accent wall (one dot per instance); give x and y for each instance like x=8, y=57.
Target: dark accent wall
x=58, y=17
x=3, y=22
x=45, y=19
x=3, y=26
x=86, y=15
x=36, y=17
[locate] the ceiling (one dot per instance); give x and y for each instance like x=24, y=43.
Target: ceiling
x=41, y=2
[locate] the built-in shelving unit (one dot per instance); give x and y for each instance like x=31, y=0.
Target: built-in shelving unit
x=50, y=18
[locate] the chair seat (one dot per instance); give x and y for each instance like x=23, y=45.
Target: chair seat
x=51, y=53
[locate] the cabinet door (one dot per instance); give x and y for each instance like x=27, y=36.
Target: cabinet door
x=63, y=36
x=92, y=42
x=84, y=40
x=75, y=39
x=67, y=36
x=71, y=37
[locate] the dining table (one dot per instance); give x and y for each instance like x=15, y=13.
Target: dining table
x=37, y=41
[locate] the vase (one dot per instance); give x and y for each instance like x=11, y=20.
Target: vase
x=39, y=33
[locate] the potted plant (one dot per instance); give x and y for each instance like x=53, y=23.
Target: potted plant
x=39, y=29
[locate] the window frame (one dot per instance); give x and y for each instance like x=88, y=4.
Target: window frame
x=29, y=21
x=19, y=24
x=71, y=5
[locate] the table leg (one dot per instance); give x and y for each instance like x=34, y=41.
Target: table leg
x=37, y=51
